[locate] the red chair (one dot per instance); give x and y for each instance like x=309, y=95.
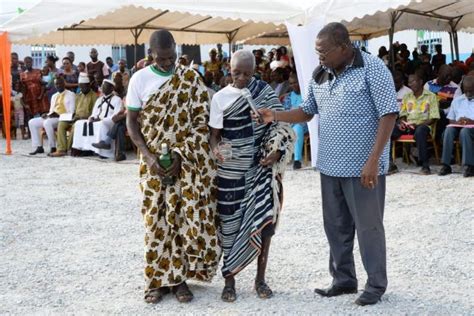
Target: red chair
x=410, y=139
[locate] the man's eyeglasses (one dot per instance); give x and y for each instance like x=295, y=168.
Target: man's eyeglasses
x=325, y=54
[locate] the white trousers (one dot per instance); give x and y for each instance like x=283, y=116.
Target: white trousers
x=36, y=124
x=101, y=129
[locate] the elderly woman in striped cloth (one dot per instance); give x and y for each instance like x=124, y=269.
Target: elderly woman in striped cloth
x=249, y=183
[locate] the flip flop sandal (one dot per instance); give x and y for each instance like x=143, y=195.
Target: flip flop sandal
x=154, y=296
x=228, y=294
x=263, y=290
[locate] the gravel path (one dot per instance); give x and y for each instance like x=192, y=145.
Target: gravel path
x=71, y=243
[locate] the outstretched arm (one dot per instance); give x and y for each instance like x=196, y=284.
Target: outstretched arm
x=292, y=116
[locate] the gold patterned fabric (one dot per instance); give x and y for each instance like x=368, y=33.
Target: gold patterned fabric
x=180, y=220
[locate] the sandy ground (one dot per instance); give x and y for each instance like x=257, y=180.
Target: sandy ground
x=71, y=243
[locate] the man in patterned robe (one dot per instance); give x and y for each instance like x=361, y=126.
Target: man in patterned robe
x=250, y=183
x=180, y=219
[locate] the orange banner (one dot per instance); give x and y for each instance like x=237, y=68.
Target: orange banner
x=6, y=82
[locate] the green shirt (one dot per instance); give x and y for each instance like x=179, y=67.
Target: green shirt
x=84, y=105
x=418, y=110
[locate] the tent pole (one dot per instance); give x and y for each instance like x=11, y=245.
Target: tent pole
x=454, y=23
x=230, y=38
x=394, y=16
x=135, y=48
x=451, y=40
x=390, y=39
x=136, y=34
x=5, y=78
x=456, y=44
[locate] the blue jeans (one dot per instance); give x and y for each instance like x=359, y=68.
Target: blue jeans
x=466, y=137
x=300, y=130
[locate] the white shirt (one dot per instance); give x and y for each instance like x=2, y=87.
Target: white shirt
x=278, y=64
x=401, y=93
x=143, y=84
x=461, y=107
x=97, y=112
x=69, y=101
x=220, y=102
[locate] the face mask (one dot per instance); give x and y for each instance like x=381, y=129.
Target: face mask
x=45, y=78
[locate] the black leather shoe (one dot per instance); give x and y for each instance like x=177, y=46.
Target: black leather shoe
x=120, y=157
x=101, y=145
x=445, y=170
x=335, y=291
x=392, y=168
x=296, y=165
x=468, y=172
x=425, y=171
x=39, y=150
x=367, y=298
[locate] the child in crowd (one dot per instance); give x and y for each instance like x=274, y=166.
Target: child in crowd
x=291, y=101
x=81, y=67
x=19, y=109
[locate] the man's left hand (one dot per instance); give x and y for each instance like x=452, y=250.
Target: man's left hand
x=369, y=176
x=175, y=167
x=271, y=159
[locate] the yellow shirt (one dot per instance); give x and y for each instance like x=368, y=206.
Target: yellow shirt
x=59, y=105
x=418, y=110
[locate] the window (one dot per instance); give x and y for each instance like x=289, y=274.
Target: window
x=429, y=39
x=118, y=52
x=39, y=54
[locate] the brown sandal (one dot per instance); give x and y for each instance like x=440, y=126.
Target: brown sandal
x=154, y=296
x=183, y=293
x=263, y=290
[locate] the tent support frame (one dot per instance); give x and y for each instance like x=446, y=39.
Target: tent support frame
x=394, y=17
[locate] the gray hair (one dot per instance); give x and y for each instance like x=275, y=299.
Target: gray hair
x=241, y=55
x=336, y=33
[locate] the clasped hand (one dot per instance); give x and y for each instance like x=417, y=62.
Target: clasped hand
x=155, y=168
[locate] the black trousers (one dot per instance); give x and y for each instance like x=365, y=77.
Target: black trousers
x=349, y=208
x=421, y=133
x=117, y=132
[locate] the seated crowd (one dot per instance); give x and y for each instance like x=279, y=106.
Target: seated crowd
x=437, y=107
x=81, y=107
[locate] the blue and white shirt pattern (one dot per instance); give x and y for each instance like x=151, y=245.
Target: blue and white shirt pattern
x=350, y=106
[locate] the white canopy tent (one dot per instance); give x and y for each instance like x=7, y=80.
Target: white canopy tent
x=434, y=15
x=73, y=22
x=70, y=22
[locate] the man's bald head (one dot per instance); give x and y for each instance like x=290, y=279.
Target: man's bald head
x=163, y=50
x=161, y=39
x=242, y=68
x=445, y=75
x=468, y=87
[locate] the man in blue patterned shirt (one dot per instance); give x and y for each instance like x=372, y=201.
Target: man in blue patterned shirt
x=354, y=94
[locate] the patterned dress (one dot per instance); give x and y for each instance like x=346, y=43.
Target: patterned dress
x=249, y=195
x=181, y=239
x=32, y=82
